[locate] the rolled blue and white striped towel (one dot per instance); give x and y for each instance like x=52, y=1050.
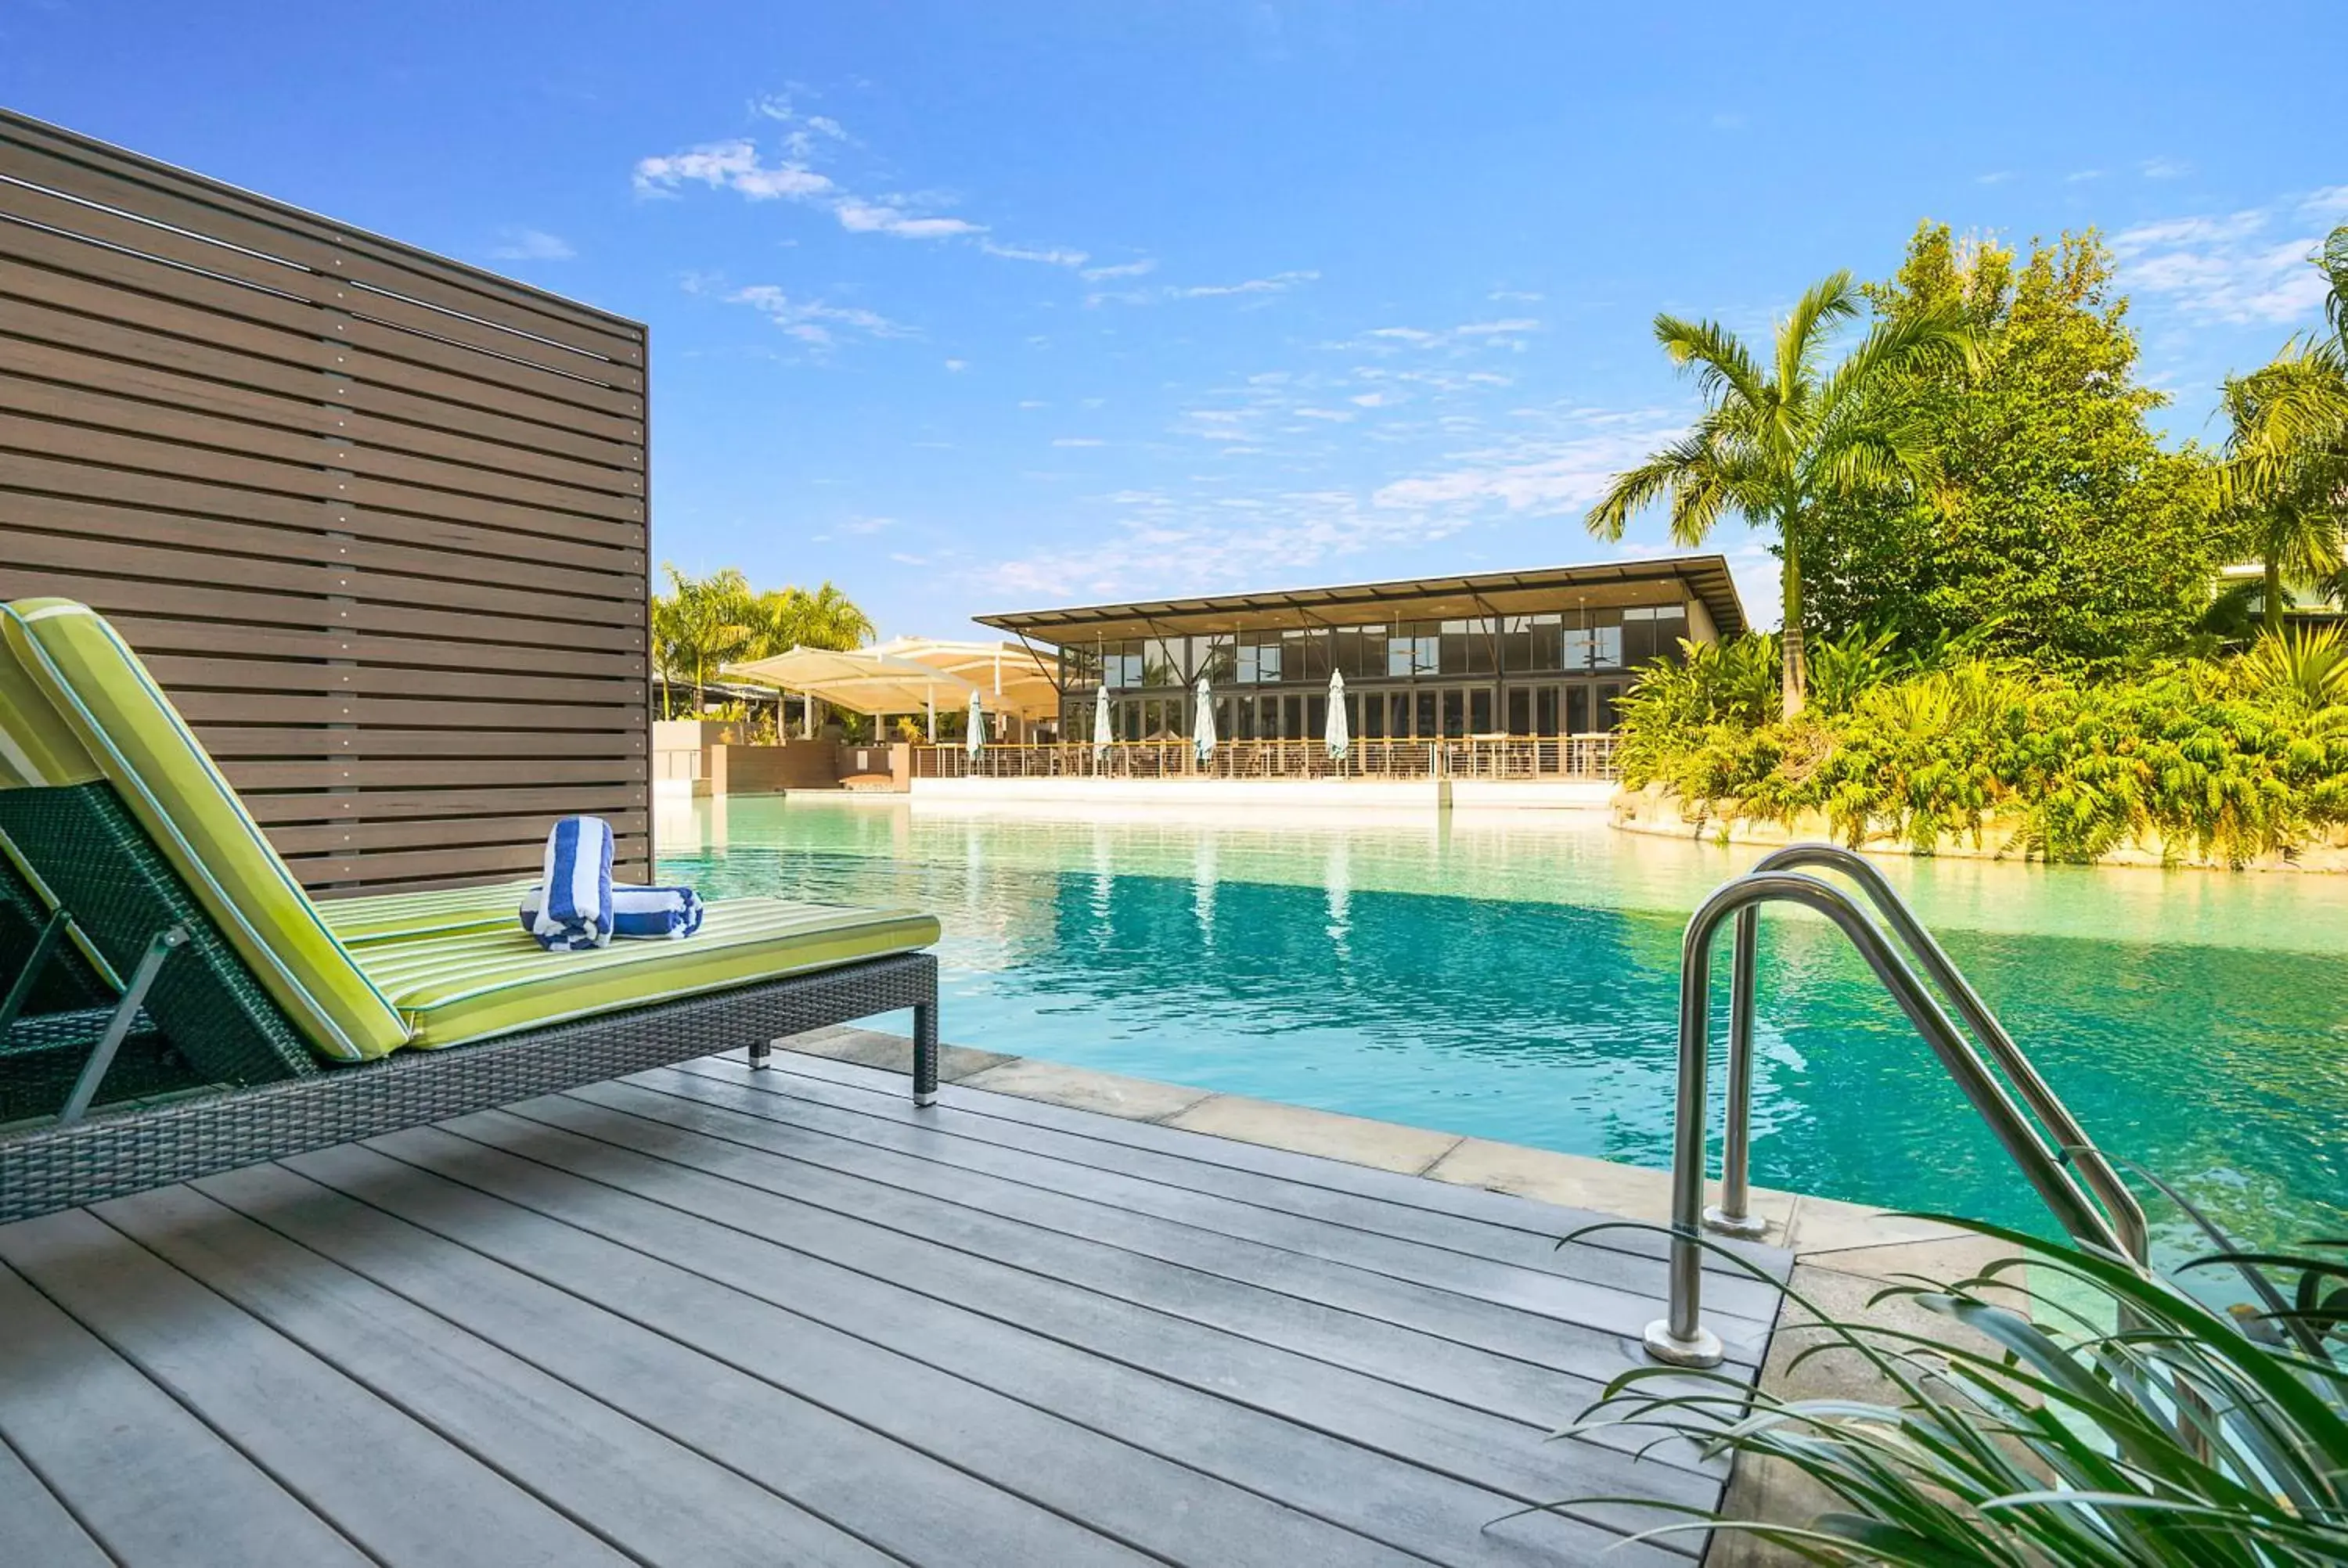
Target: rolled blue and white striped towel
x=655, y=913
x=575, y=910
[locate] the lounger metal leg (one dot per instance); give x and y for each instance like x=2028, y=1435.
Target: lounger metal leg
x=758, y=1053
x=134, y=997
x=925, y=1053
x=53, y=931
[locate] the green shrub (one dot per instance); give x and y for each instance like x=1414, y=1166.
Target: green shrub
x=2233, y=759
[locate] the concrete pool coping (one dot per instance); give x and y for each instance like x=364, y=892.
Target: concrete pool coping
x=1844, y=1253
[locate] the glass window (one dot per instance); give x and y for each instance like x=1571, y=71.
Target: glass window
x=1545, y=710
x=1369, y=715
x=1257, y=661
x=1162, y=661
x=1544, y=642
x=1362, y=652
x=1608, y=693
x=1414, y=649
x=1212, y=657
x=1577, y=709
x=1468, y=647
x=1304, y=655
x=1638, y=636
x=1423, y=715
x=1121, y=665
x=1479, y=711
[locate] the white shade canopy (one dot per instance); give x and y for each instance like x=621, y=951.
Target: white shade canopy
x=1016, y=679
x=1101, y=725
x=1202, y=733
x=975, y=735
x=860, y=680
x=1338, y=735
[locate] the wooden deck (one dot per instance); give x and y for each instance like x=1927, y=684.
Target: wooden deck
x=708, y=1316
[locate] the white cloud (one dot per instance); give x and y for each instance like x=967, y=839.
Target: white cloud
x=1488, y=329
x=860, y=217
x=2077, y=176
x=1406, y=334
x=2332, y=201
x=1078, y=441
x=1333, y=415
x=957, y=365
x=1121, y=270
x=1054, y=256
x=1516, y=296
x=1161, y=544
x=1033, y=402
x=2164, y=168
x=2236, y=268
x=531, y=245
x=812, y=321
x=729, y=166
x=1996, y=177
x=1277, y=284
x=1376, y=400
x=1546, y=474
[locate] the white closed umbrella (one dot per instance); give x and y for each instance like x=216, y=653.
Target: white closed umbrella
x=1340, y=735
x=1101, y=728
x=977, y=736
x=1202, y=732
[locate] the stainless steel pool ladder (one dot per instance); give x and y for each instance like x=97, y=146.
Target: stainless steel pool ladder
x=2056, y=1155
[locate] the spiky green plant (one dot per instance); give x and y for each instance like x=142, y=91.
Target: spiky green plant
x=2093, y=1416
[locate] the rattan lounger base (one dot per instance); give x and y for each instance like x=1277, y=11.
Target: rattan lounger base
x=107, y=1156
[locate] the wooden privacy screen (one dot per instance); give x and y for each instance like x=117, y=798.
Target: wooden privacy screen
x=375, y=518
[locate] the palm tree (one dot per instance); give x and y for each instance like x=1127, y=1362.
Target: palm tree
x=2286, y=469
x=793, y=618
x=1773, y=440
x=2285, y=479
x=699, y=624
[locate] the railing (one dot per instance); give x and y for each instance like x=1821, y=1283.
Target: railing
x=1525, y=757
x=2117, y=1228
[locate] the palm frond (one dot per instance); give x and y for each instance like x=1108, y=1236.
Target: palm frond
x=1721, y=362
x=1825, y=304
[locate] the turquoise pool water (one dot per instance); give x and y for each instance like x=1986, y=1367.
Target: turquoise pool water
x=1513, y=976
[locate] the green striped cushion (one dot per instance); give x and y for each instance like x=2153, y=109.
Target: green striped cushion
x=466, y=986
x=394, y=917
x=36, y=746
x=162, y=773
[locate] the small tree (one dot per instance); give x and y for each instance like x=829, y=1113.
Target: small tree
x=1773, y=442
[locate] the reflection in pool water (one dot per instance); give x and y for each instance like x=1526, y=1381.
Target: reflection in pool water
x=1513, y=976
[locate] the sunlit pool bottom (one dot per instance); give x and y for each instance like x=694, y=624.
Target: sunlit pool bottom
x=1514, y=975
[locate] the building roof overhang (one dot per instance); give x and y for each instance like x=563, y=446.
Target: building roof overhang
x=1705, y=577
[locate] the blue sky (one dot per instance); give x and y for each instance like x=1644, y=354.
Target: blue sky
x=984, y=307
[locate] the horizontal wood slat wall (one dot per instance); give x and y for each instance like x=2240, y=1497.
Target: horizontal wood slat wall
x=376, y=519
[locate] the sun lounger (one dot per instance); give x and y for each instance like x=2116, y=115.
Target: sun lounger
x=324, y=1025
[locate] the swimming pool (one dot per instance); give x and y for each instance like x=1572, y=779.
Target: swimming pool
x=1514, y=975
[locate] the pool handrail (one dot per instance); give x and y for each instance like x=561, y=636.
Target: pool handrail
x=1732, y=1216
x=1680, y=1338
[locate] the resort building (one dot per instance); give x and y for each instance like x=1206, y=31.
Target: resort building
x=1538, y=653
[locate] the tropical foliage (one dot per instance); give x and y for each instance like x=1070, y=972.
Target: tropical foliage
x=2072, y=1410
x=1776, y=440
x=2232, y=759
x=703, y=623
x=2056, y=519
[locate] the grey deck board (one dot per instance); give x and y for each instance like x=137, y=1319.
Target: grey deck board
x=34, y=1527
x=1628, y=1260
x=1044, y=1235
x=147, y=1480
x=1316, y=1438
x=713, y=1316
x=915, y=1507
x=1619, y=1308
x=646, y=1493
x=397, y=1489
x=773, y=1312
x=1506, y=1211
